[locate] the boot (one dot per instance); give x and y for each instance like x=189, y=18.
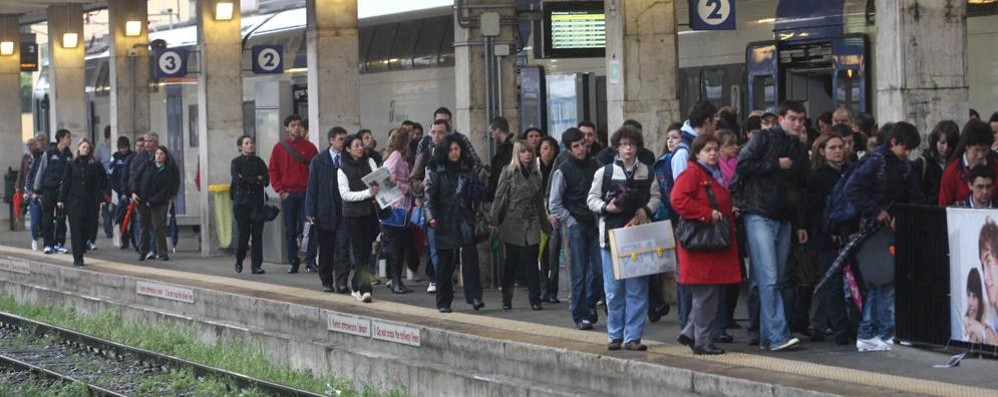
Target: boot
x=396, y=278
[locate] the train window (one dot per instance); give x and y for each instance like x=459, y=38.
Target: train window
x=712, y=85
x=763, y=92
x=427, y=45
x=401, y=56
x=446, y=57
x=381, y=47
x=847, y=89
x=364, y=37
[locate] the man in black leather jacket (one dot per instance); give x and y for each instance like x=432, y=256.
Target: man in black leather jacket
x=768, y=188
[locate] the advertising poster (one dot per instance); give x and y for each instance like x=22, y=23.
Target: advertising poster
x=973, y=242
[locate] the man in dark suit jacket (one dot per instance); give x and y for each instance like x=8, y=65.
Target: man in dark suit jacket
x=323, y=210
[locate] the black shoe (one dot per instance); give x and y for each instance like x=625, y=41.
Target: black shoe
x=292, y=269
x=444, y=309
x=536, y=306
x=685, y=340
x=707, y=350
x=584, y=325
x=258, y=270
x=342, y=289
x=553, y=299
x=142, y=257
x=615, y=344
x=310, y=268
x=656, y=314
x=78, y=264
x=328, y=288
x=753, y=341
x=507, y=307
x=164, y=258
x=635, y=346
x=843, y=339
x=398, y=288
x=593, y=316
x=817, y=335
x=477, y=304
x=239, y=266
x=723, y=338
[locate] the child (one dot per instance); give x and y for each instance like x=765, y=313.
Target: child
x=884, y=179
x=729, y=154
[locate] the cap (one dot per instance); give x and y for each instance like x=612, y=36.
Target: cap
x=770, y=111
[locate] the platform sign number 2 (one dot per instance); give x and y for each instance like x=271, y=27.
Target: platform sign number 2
x=712, y=14
x=268, y=59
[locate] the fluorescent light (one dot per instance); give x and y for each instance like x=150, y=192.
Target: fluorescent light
x=223, y=11
x=70, y=40
x=6, y=48
x=133, y=28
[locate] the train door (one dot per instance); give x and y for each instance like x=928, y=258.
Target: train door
x=806, y=71
x=175, y=136
x=763, y=81
x=849, y=78
x=533, y=103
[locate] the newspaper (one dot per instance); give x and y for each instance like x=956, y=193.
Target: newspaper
x=388, y=193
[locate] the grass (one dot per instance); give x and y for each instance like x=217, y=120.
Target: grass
x=37, y=386
x=237, y=356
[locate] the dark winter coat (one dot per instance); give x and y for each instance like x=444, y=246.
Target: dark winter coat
x=504, y=154
x=249, y=178
x=820, y=185
x=322, y=198
x=880, y=181
x=760, y=186
x=120, y=172
x=930, y=175
x=158, y=185
x=82, y=189
x=449, y=200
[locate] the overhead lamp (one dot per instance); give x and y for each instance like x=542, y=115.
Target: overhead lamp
x=223, y=11
x=6, y=48
x=133, y=28
x=70, y=40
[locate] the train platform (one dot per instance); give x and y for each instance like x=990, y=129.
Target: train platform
x=403, y=339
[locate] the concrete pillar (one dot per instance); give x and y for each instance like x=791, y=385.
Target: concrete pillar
x=129, y=70
x=11, y=144
x=921, y=62
x=67, y=99
x=470, y=115
x=333, y=77
x=220, y=106
x=642, y=63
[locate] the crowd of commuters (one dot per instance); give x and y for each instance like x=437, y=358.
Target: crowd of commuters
x=774, y=184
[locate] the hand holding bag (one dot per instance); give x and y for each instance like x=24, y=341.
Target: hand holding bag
x=701, y=236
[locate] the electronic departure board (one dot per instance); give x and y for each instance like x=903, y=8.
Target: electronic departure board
x=574, y=29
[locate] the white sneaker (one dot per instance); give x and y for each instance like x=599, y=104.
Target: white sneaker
x=871, y=345
x=92, y=246
x=62, y=249
x=34, y=245
x=48, y=250
x=366, y=297
x=432, y=289
x=785, y=345
x=357, y=295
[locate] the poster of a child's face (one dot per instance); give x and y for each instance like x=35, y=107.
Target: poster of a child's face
x=973, y=238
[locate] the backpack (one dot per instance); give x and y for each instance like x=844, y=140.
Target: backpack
x=839, y=211
x=663, y=174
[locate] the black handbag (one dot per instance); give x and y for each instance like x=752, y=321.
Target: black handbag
x=705, y=236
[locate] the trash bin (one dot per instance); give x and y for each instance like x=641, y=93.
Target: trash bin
x=223, y=214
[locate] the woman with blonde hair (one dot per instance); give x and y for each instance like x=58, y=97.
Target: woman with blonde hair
x=518, y=214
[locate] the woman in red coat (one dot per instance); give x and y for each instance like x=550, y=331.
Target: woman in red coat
x=707, y=272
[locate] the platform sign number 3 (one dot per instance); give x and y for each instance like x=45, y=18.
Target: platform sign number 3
x=170, y=62
x=268, y=59
x=712, y=14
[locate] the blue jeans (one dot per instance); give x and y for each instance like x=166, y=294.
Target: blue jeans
x=626, y=303
x=587, y=274
x=294, y=223
x=35, y=210
x=878, y=313
x=769, y=248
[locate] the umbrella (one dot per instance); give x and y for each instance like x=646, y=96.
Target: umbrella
x=128, y=217
x=867, y=229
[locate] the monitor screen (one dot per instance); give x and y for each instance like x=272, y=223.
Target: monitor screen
x=574, y=29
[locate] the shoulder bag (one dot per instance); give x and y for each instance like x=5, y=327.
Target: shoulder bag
x=705, y=236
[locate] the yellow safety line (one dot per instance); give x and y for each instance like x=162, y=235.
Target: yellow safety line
x=802, y=368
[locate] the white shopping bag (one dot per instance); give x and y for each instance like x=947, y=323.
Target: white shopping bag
x=642, y=250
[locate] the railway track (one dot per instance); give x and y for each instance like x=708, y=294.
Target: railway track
x=106, y=368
